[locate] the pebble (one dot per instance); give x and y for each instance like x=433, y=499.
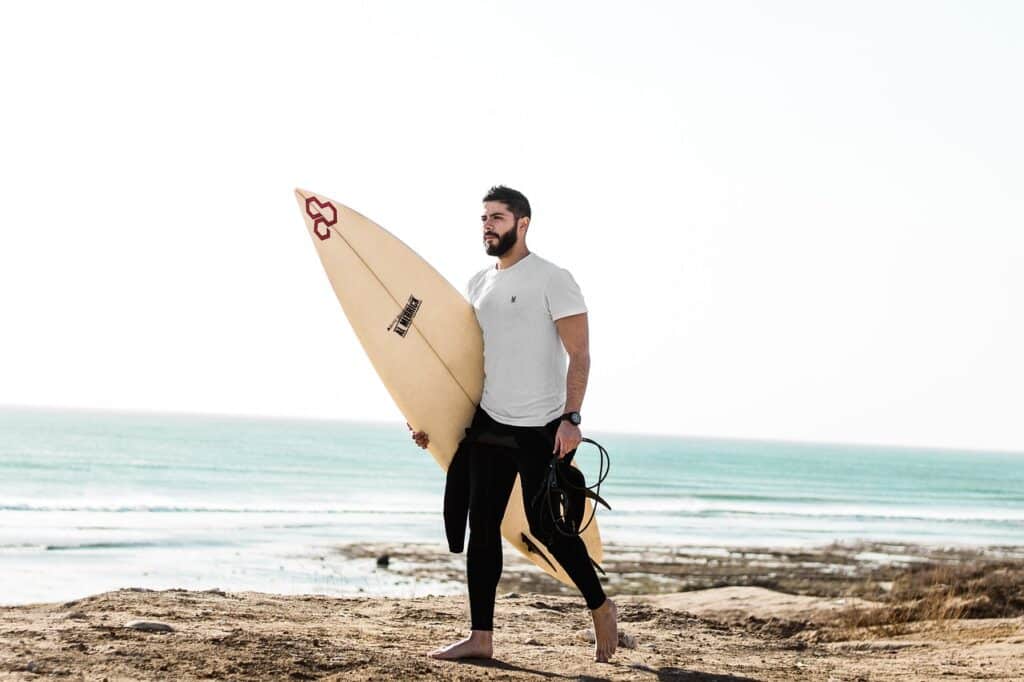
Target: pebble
x=149, y=626
x=626, y=640
x=383, y=560
x=533, y=641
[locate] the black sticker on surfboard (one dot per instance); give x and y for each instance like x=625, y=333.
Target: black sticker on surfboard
x=401, y=324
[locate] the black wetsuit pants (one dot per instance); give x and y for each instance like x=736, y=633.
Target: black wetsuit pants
x=497, y=453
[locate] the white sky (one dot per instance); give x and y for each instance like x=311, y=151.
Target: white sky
x=795, y=220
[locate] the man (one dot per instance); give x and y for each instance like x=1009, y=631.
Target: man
x=532, y=313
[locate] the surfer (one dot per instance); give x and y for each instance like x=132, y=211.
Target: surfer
x=529, y=310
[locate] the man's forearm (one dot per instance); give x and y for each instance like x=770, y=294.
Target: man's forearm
x=576, y=381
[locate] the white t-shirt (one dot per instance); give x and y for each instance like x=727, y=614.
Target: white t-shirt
x=524, y=361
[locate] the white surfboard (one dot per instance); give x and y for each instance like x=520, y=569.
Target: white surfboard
x=423, y=339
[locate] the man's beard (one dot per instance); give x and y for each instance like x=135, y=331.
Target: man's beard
x=504, y=243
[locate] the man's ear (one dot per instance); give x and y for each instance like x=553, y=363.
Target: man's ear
x=524, y=222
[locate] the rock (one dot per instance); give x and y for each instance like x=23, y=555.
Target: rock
x=510, y=595
x=149, y=626
x=32, y=667
x=626, y=641
x=76, y=615
x=383, y=560
x=532, y=641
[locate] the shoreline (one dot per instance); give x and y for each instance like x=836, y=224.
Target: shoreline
x=415, y=569
x=862, y=569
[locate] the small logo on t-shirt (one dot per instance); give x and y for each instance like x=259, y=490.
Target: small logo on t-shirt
x=513, y=299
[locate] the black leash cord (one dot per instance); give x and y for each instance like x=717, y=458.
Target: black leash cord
x=551, y=485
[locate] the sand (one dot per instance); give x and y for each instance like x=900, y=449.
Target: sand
x=736, y=632
x=253, y=636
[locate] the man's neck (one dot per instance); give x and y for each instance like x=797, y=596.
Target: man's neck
x=511, y=258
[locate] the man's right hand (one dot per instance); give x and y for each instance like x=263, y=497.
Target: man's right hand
x=419, y=437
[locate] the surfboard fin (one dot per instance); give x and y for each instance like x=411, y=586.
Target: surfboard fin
x=532, y=547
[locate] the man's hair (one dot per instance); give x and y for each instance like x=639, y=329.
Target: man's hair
x=514, y=199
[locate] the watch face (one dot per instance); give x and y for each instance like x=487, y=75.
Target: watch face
x=574, y=417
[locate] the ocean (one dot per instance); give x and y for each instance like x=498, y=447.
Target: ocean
x=92, y=501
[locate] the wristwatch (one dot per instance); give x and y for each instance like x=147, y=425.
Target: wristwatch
x=573, y=418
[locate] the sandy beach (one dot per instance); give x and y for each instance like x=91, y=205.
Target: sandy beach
x=894, y=613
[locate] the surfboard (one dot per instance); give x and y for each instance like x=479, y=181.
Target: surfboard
x=422, y=337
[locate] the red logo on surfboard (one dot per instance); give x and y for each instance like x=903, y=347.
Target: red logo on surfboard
x=323, y=214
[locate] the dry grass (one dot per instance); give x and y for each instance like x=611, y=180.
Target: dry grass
x=943, y=592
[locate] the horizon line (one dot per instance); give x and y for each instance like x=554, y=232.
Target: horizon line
x=683, y=436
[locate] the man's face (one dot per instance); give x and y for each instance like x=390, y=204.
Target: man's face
x=500, y=233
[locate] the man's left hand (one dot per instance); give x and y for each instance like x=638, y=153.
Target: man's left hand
x=567, y=438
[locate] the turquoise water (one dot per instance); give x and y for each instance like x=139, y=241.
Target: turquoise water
x=92, y=501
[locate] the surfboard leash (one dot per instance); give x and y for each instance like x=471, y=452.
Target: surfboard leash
x=565, y=488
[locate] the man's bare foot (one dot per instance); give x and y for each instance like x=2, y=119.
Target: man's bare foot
x=606, y=630
x=477, y=645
